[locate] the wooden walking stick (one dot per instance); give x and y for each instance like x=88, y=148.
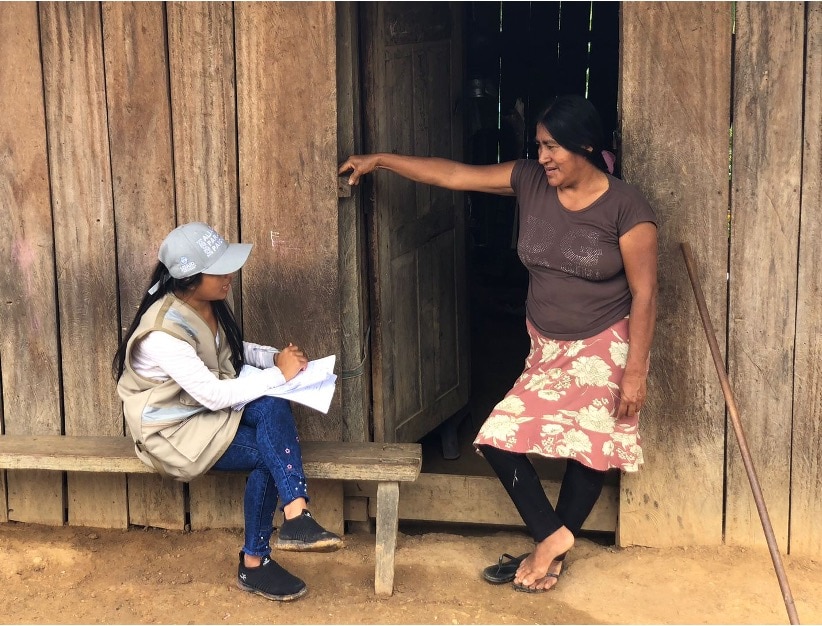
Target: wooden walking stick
x=740, y=436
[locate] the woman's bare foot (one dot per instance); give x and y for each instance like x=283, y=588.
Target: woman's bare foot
x=533, y=571
x=551, y=578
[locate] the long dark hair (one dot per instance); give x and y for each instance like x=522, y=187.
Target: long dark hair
x=167, y=283
x=575, y=125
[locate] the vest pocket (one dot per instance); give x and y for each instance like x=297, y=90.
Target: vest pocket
x=187, y=400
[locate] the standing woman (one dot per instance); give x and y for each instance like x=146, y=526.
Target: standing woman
x=177, y=371
x=589, y=243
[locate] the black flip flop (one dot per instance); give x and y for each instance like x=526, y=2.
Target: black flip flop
x=505, y=570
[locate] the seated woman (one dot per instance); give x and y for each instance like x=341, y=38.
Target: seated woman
x=177, y=369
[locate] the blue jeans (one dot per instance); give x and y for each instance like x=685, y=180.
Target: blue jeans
x=267, y=445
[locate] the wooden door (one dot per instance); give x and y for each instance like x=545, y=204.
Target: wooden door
x=412, y=103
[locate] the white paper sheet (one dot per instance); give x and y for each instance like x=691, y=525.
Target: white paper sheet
x=313, y=387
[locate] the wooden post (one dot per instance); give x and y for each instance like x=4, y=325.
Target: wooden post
x=355, y=367
x=388, y=499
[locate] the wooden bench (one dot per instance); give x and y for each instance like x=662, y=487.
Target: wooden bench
x=385, y=464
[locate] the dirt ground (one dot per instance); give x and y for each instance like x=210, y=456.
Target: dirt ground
x=89, y=576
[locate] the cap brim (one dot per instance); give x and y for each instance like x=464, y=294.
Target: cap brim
x=232, y=260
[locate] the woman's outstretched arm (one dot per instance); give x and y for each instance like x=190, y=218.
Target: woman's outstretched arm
x=435, y=171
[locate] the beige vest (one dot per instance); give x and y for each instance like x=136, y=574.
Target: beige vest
x=172, y=432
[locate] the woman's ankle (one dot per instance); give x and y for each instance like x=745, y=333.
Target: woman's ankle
x=294, y=508
x=249, y=560
x=557, y=544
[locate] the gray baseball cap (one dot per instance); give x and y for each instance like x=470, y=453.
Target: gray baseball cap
x=196, y=248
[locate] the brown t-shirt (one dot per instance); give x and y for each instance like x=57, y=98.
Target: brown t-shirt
x=577, y=285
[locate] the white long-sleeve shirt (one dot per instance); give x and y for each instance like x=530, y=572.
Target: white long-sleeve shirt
x=159, y=356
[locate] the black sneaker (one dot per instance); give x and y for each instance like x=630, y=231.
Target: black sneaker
x=269, y=580
x=304, y=534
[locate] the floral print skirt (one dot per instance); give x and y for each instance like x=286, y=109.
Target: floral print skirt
x=564, y=403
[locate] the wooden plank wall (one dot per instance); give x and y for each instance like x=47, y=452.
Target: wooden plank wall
x=120, y=120
x=31, y=395
x=123, y=119
x=677, y=153
x=287, y=157
x=287, y=114
x=203, y=97
x=84, y=243
x=143, y=184
x=766, y=182
x=806, y=466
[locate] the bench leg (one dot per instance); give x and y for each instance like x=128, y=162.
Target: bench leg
x=388, y=499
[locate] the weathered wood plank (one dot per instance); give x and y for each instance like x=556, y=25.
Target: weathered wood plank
x=373, y=65
x=453, y=350
x=388, y=496
x=140, y=131
x=28, y=313
x=201, y=62
x=4, y=509
x=288, y=183
x=155, y=502
x=476, y=500
x=355, y=508
x=766, y=179
x=442, y=356
x=143, y=188
x=397, y=313
x=76, y=119
x=330, y=460
x=806, y=452
x=362, y=461
x=404, y=381
x=75, y=453
x=355, y=394
x=27, y=496
x=677, y=154
x=429, y=74
x=201, y=57
x=216, y=501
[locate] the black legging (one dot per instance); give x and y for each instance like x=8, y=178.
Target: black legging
x=580, y=489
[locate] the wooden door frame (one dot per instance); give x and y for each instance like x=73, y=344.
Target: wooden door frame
x=355, y=361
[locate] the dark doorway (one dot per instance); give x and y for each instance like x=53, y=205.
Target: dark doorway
x=518, y=55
